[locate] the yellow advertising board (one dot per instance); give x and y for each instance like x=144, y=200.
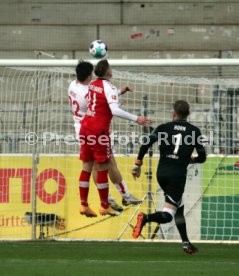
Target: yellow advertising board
x=57, y=193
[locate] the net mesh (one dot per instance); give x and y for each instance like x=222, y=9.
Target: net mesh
x=39, y=154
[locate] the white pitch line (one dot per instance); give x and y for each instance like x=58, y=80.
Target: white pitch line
x=99, y=261
x=156, y=261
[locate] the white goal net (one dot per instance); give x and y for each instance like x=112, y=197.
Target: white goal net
x=40, y=166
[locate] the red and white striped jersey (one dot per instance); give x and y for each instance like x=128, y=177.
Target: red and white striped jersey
x=98, y=116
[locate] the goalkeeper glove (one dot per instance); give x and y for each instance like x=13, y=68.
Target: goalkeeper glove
x=136, y=170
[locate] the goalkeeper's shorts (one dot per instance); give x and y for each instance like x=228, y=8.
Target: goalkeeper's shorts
x=173, y=188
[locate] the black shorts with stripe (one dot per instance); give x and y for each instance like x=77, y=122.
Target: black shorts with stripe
x=173, y=188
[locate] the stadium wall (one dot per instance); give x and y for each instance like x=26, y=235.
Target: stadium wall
x=130, y=26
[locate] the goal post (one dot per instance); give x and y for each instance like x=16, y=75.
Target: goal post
x=39, y=155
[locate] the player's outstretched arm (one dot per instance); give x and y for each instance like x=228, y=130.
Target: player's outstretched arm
x=136, y=170
x=117, y=111
x=141, y=120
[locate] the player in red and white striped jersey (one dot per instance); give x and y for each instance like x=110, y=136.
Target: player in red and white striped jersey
x=94, y=134
x=78, y=97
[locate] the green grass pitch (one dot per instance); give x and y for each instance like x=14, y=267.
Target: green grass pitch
x=116, y=258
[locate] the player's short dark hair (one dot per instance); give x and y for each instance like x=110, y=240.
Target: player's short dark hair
x=182, y=109
x=101, y=68
x=83, y=70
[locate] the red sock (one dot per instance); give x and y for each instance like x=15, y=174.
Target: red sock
x=103, y=187
x=84, y=187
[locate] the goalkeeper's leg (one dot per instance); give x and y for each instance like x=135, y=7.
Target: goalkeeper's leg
x=182, y=229
x=160, y=217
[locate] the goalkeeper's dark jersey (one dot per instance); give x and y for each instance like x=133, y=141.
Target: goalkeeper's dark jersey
x=176, y=140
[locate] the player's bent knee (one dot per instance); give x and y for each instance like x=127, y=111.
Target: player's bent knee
x=167, y=217
x=168, y=214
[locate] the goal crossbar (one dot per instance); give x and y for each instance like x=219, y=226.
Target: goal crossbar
x=121, y=62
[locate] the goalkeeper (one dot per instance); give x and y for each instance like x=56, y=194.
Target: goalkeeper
x=176, y=140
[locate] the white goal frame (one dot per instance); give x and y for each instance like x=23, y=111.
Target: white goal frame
x=121, y=62
x=71, y=63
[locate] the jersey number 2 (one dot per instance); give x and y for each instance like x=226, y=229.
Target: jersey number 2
x=75, y=108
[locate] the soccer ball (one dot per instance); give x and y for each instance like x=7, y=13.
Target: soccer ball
x=98, y=49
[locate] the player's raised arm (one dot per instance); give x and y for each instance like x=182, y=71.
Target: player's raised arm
x=125, y=89
x=111, y=94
